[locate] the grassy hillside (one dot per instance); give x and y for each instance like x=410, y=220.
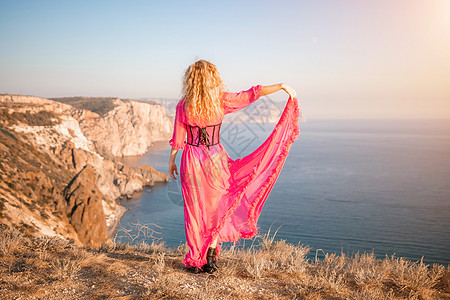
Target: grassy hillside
x=99, y=105
x=52, y=268
x=41, y=118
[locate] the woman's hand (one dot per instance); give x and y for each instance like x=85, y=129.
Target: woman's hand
x=172, y=168
x=290, y=91
x=172, y=165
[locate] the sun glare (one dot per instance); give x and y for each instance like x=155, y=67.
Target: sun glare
x=446, y=12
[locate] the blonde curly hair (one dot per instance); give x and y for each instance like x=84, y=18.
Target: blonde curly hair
x=202, y=93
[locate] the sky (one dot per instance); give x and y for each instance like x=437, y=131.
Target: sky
x=355, y=59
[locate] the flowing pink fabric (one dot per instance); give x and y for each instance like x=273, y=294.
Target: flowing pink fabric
x=223, y=197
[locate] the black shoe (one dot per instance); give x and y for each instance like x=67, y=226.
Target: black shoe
x=194, y=270
x=214, y=256
x=210, y=266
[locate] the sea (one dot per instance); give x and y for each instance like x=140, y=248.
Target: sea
x=347, y=186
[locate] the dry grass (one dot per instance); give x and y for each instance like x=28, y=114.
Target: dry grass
x=65, y=268
x=53, y=268
x=10, y=240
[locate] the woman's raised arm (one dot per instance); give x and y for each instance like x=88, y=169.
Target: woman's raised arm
x=269, y=89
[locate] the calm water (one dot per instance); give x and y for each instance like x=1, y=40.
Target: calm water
x=347, y=185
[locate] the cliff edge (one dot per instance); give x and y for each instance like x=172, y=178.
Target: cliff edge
x=58, y=172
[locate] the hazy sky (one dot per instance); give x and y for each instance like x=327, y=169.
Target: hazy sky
x=346, y=59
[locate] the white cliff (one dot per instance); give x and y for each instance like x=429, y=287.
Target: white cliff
x=128, y=129
x=47, y=147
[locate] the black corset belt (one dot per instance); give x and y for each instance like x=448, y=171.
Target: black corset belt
x=208, y=136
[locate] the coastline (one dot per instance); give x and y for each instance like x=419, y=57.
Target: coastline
x=115, y=220
x=133, y=162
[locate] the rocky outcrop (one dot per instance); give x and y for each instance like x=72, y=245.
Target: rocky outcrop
x=151, y=174
x=31, y=185
x=53, y=181
x=85, y=209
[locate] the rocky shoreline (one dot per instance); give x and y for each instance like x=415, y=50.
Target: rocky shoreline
x=59, y=168
x=114, y=219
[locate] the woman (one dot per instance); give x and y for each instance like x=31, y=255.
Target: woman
x=223, y=198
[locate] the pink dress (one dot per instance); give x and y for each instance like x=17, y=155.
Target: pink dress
x=223, y=197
